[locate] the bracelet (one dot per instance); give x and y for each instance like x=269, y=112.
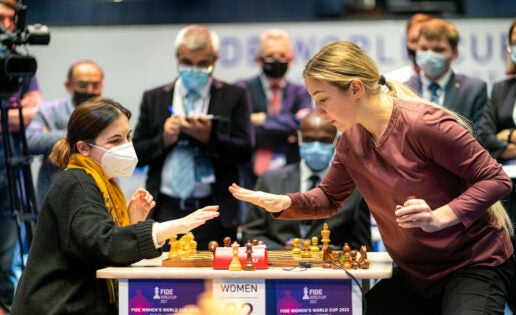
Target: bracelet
x=509, y=135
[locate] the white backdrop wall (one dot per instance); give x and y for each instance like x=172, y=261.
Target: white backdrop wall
x=136, y=58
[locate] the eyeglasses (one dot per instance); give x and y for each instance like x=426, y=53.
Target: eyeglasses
x=194, y=68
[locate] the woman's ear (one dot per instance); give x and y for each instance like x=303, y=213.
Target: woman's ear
x=83, y=148
x=357, y=88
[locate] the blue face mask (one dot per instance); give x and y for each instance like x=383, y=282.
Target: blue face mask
x=432, y=63
x=513, y=53
x=194, y=77
x=317, y=155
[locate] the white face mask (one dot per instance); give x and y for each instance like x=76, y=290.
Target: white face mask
x=119, y=161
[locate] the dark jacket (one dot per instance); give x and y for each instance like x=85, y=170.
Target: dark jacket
x=230, y=143
x=75, y=236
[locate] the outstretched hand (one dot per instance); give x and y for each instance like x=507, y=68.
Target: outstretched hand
x=268, y=201
x=139, y=206
x=196, y=218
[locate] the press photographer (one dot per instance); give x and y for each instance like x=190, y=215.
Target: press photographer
x=19, y=98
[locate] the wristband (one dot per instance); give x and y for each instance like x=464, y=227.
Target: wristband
x=509, y=135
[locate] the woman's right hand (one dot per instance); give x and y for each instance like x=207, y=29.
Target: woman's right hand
x=185, y=224
x=270, y=202
x=196, y=218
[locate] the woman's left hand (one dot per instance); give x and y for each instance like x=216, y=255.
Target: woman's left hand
x=416, y=213
x=139, y=206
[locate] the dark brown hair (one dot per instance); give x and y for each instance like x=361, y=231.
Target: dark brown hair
x=86, y=123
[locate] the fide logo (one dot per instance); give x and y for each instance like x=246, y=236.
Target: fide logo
x=164, y=294
x=313, y=294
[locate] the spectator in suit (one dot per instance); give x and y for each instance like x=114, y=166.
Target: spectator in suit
x=496, y=130
x=278, y=105
x=83, y=81
x=28, y=95
x=437, y=48
x=404, y=73
x=352, y=224
x=193, y=133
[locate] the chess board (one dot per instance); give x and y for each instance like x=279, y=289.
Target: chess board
x=205, y=259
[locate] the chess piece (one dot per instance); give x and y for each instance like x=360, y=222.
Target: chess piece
x=325, y=240
x=336, y=259
x=212, y=246
x=227, y=241
x=347, y=260
x=354, y=262
x=306, y=249
x=172, y=254
x=249, y=264
x=326, y=254
x=235, y=262
x=363, y=254
x=314, y=249
x=346, y=247
x=296, y=251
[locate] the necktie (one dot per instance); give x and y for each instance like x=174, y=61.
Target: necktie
x=183, y=166
x=433, y=88
x=189, y=102
x=275, y=101
x=314, y=181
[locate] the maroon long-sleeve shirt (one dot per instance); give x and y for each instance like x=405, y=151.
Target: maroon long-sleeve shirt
x=425, y=153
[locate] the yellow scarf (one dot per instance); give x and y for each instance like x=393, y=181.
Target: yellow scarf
x=113, y=196
x=114, y=200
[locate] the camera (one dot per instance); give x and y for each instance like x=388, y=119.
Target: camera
x=14, y=65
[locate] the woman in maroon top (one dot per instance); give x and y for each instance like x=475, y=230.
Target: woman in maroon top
x=451, y=243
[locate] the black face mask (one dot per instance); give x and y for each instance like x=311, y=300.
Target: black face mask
x=411, y=53
x=274, y=69
x=79, y=97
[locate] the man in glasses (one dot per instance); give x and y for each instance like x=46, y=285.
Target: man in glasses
x=277, y=104
x=193, y=134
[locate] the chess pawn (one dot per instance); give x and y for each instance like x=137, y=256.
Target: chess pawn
x=249, y=264
x=347, y=261
x=227, y=241
x=306, y=249
x=314, y=249
x=172, y=254
x=354, y=262
x=296, y=251
x=346, y=247
x=336, y=259
x=235, y=262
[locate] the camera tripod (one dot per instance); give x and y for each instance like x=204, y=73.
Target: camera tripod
x=17, y=163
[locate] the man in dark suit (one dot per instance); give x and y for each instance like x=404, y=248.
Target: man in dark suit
x=351, y=224
x=437, y=48
x=277, y=106
x=194, y=146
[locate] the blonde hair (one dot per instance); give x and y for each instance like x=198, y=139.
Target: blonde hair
x=340, y=62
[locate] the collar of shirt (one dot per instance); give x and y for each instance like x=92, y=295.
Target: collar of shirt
x=267, y=85
x=304, y=175
x=443, y=81
x=201, y=105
